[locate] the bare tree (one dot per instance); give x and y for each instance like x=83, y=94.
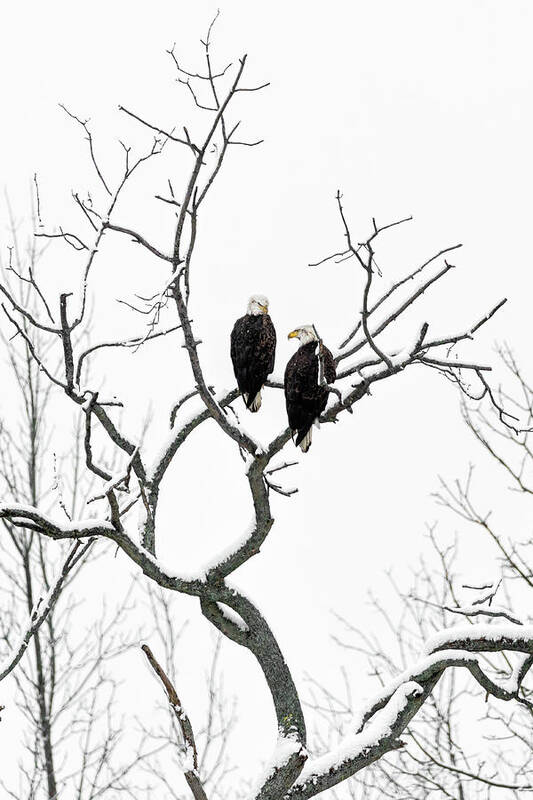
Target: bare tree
x=291, y=772
x=64, y=688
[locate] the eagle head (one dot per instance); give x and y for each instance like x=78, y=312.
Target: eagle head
x=257, y=304
x=306, y=333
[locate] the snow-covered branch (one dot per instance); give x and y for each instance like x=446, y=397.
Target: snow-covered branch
x=384, y=718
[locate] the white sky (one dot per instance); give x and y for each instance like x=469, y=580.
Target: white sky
x=410, y=108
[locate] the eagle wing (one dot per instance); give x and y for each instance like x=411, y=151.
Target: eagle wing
x=330, y=370
x=305, y=399
x=242, y=344
x=268, y=342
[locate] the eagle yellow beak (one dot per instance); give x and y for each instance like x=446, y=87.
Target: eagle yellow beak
x=264, y=309
x=293, y=335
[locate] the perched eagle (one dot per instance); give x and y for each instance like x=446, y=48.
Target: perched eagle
x=306, y=376
x=253, y=349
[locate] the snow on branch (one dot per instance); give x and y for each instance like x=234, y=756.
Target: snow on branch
x=33, y=519
x=384, y=717
x=289, y=754
x=483, y=638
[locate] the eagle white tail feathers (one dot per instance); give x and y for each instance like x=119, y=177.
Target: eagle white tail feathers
x=255, y=405
x=256, y=402
x=305, y=444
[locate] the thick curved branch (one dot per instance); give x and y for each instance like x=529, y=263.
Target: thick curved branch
x=361, y=750
x=21, y=515
x=253, y=539
x=33, y=519
x=257, y=637
x=484, y=639
x=386, y=717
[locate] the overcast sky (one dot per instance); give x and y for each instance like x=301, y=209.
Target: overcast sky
x=421, y=108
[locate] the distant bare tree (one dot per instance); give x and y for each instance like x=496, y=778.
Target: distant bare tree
x=65, y=689
x=291, y=772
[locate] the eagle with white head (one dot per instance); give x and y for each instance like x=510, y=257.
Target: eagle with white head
x=307, y=376
x=253, y=350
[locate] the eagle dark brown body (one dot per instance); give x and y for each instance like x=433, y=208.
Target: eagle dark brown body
x=253, y=350
x=305, y=398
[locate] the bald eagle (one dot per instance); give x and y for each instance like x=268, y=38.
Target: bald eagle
x=253, y=349
x=306, y=394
